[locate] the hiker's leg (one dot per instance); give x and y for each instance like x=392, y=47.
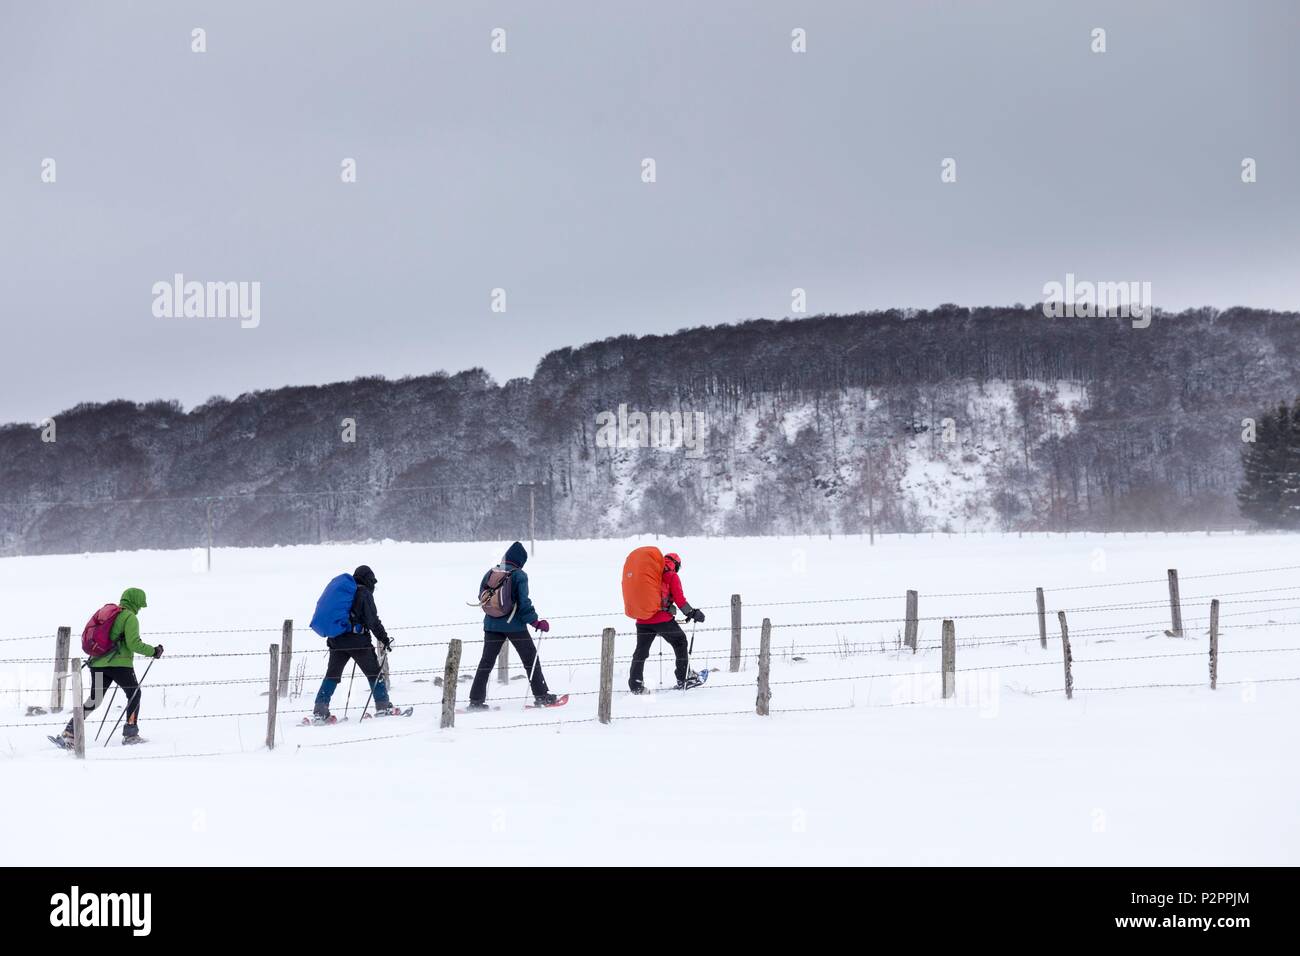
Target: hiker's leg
x=368, y=661
x=492, y=644
x=645, y=638
x=527, y=652
x=333, y=673
x=671, y=632
x=125, y=678
x=99, y=682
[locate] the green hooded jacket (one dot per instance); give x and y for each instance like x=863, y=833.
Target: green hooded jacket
x=126, y=633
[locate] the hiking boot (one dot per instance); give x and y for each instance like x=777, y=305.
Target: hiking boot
x=544, y=700
x=130, y=730
x=638, y=689
x=477, y=705
x=692, y=680
x=320, y=714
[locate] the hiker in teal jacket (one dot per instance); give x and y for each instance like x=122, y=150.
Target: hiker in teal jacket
x=117, y=666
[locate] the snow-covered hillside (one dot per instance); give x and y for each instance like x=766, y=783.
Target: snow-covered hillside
x=861, y=760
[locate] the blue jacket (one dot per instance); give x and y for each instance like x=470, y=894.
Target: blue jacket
x=525, y=613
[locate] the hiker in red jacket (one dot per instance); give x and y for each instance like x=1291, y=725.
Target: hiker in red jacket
x=663, y=624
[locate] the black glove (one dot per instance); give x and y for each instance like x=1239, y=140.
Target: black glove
x=157, y=651
x=387, y=642
x=695, y=614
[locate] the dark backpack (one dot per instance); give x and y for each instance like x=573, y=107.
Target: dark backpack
x=497, y=597
x=97, y=635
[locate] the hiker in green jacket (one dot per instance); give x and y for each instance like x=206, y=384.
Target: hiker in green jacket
x=117, y=666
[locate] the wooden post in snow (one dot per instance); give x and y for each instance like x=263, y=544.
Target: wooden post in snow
x=272, y=696
x=1065, y=656
x=604, y=709
x=735, y=634
x=503, y=662
x=1214, y=644
x=286, y=655
x=63, y=638
x=949, y=659
x=78, y=710
x=909, y=628
x=764, y=669
x=1042, y=617
x=1175, y=608
x=449, y=674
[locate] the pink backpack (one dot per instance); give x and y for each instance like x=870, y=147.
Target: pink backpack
x=96, y=638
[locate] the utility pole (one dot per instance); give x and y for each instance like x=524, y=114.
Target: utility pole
x=871, y=513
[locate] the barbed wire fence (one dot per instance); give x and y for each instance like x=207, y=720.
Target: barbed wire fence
x=1284, y=598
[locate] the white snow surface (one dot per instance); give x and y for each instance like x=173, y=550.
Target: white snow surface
x=861, y=762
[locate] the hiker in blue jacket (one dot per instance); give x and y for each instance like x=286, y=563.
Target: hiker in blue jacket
x=507, y=613
x=354, y=645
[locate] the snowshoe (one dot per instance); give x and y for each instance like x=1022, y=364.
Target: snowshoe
x=692, y=680
x=133, y=739
x=390, y=711
x=547, y=700
x=319, y=720
x=474, y=706
x=639, y=689
x=63, y=741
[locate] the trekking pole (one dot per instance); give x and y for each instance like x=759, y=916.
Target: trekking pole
x=689, y=651
x=378, y=678
x=537, y=656
x=348, y=703
x=138, y=687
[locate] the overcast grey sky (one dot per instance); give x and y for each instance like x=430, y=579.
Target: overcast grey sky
x=522, y=170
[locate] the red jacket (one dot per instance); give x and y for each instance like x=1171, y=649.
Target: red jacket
x=670, y=589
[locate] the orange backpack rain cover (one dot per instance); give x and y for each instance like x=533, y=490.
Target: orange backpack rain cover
x=643, y=573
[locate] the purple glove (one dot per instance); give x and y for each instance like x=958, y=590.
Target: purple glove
x=542, y=625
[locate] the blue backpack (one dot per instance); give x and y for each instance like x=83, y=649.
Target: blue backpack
x=333, y=611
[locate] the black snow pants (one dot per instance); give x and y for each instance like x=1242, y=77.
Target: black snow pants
x=493, y=641
x=101, y=678
x=671, y=632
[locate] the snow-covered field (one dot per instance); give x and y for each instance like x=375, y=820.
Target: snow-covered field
x=860, y=762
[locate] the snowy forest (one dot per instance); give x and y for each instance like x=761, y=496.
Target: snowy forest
x=952, y=419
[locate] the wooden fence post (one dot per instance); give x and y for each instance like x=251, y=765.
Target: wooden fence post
x=735, y=633
x=61, y=642
x=449, y=675
x=503, y=662
x=1175, y=608
x=1214, y=644
x=286, y=654
x=949, y=659
x=1042, y=616
x=605, y=707
x=1065, y=656
x=272, y=696
x=764, y=669
x=78, y=710
x=909, y=629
